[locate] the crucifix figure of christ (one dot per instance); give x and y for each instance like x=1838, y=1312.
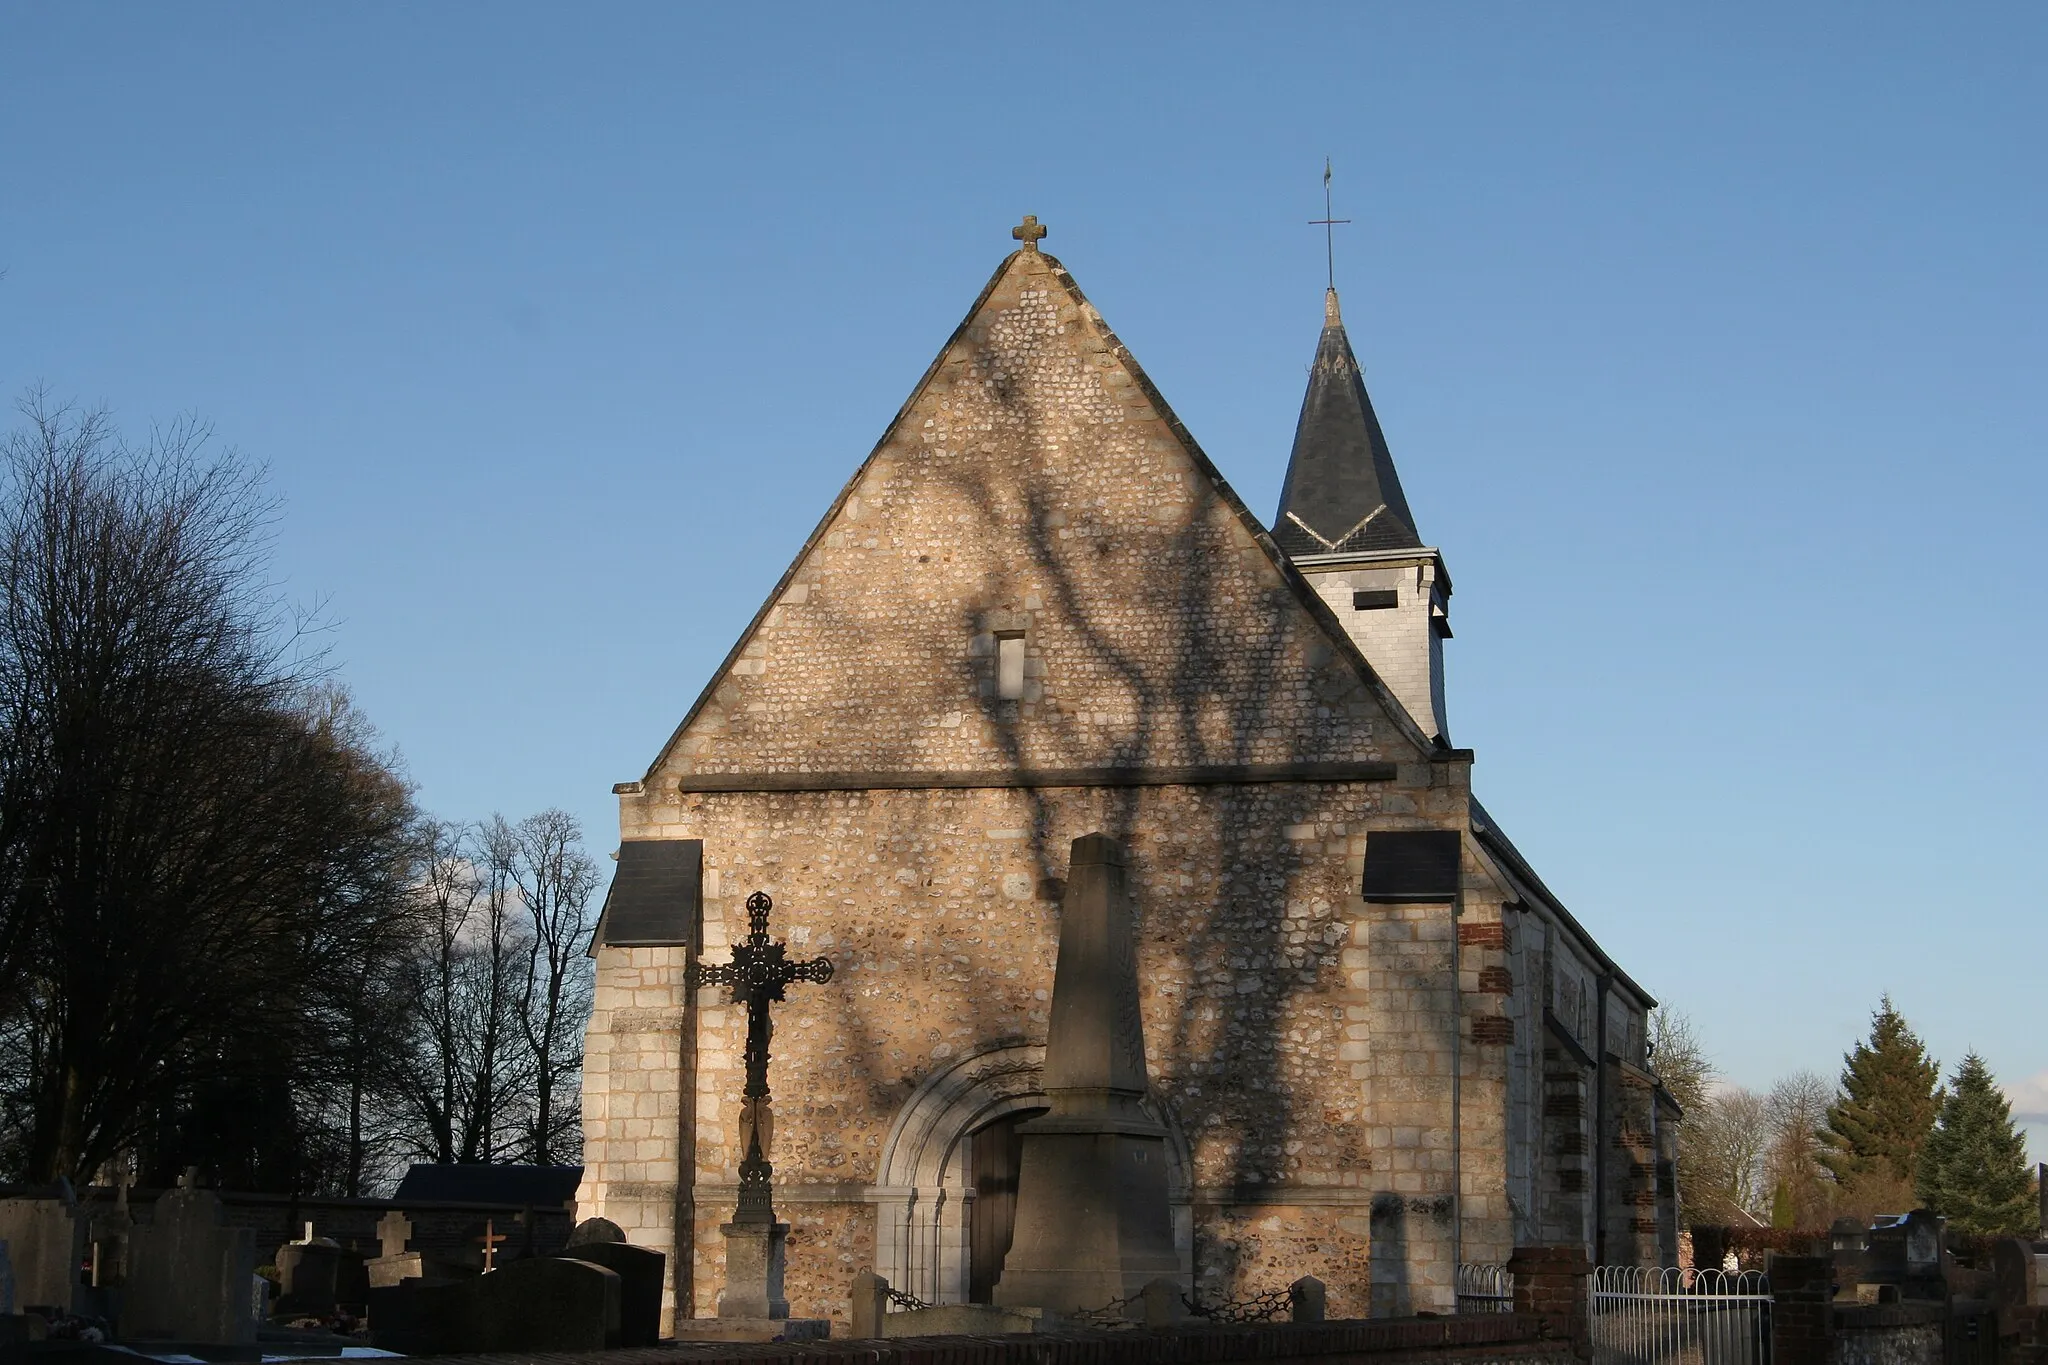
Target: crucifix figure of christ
x=758, y=973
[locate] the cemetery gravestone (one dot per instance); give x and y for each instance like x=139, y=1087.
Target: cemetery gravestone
x=189, y=1275
x=1926, y=1244
x=395, y=1263
x=1846, y=1244
x=1307, y=1300
x=541, y=1304
x=307, y=1271
x=640, y=1271
x=46, y=1241
x=596, y=1230
x=2018, y=1272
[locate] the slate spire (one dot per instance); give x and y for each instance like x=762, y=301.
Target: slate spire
x=1342, y=493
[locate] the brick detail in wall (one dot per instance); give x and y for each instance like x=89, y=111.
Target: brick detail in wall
x=1562, y=1107
x=1496, y=981
x=1493, y=1031
x=1572, y=1182
x=1494, y=935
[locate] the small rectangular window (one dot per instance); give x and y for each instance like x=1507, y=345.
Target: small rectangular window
x=1009, y=667
x=1376, y=600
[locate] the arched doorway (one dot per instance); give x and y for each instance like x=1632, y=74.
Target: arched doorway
x=994, y=1155
x=928, y=1180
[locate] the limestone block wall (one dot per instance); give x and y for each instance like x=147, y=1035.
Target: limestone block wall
x=1633, y=1231
x=636, y=1076
x=1565, y=1176
x=1525, y=934
x=1491, y=1023
x=1403, y=646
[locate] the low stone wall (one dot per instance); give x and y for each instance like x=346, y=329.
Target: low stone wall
x=1887, y=1334
x=1478, y=1340
x=454, y=1230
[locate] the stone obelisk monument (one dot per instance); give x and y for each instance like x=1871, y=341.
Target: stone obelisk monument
x=1092, y=1219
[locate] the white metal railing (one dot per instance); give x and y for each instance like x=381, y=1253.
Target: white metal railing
x=1485, y=1289
x=1680, y=1317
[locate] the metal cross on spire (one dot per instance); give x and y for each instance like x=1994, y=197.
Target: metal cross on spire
x=758, y=972
x=1329, y=226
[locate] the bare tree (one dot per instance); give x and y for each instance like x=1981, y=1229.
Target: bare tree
x=1798, y=1109
x=465, y=1072
x=1681, y=1063
x=556, y=878
x=1730, y=1134
x=190, y=848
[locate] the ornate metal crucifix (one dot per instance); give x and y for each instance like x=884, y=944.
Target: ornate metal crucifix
x=758, y=972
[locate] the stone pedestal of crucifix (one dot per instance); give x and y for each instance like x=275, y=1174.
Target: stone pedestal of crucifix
x=754, y=1239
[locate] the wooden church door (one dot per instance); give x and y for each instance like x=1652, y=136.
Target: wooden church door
x=994, y=1154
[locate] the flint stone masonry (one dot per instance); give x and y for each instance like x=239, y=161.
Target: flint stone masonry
x=1303, y=1045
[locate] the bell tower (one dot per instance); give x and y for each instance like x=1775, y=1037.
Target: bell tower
x=1345, y=523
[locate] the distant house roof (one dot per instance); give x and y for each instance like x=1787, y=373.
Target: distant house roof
x=537, y=1187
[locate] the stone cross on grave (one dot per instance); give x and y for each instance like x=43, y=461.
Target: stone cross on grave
x=758, y=972
x=1029, y=231
x=394, y=1230
x=490, y=1241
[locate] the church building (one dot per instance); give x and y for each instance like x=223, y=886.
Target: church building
x=1381, y=1047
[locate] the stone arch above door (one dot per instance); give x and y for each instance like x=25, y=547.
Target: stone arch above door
x=922, y=1193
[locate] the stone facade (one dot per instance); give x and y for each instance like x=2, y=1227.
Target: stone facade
x=1359, y=1091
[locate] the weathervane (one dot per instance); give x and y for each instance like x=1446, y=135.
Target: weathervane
x=757, y=974
x=1329, y=226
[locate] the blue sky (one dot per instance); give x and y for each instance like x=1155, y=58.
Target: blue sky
x=1709, y=341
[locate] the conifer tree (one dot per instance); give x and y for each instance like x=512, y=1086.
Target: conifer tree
x=1889, y=1098
x=1973, y=1169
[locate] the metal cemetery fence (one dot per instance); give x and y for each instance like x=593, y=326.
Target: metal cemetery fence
x=1680, y=1317
x=1485, y=1289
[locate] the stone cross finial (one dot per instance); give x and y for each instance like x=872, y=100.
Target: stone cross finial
x=1029, y=231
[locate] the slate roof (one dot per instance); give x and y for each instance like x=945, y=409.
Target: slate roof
x=1341, y=492
x=654, y=896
